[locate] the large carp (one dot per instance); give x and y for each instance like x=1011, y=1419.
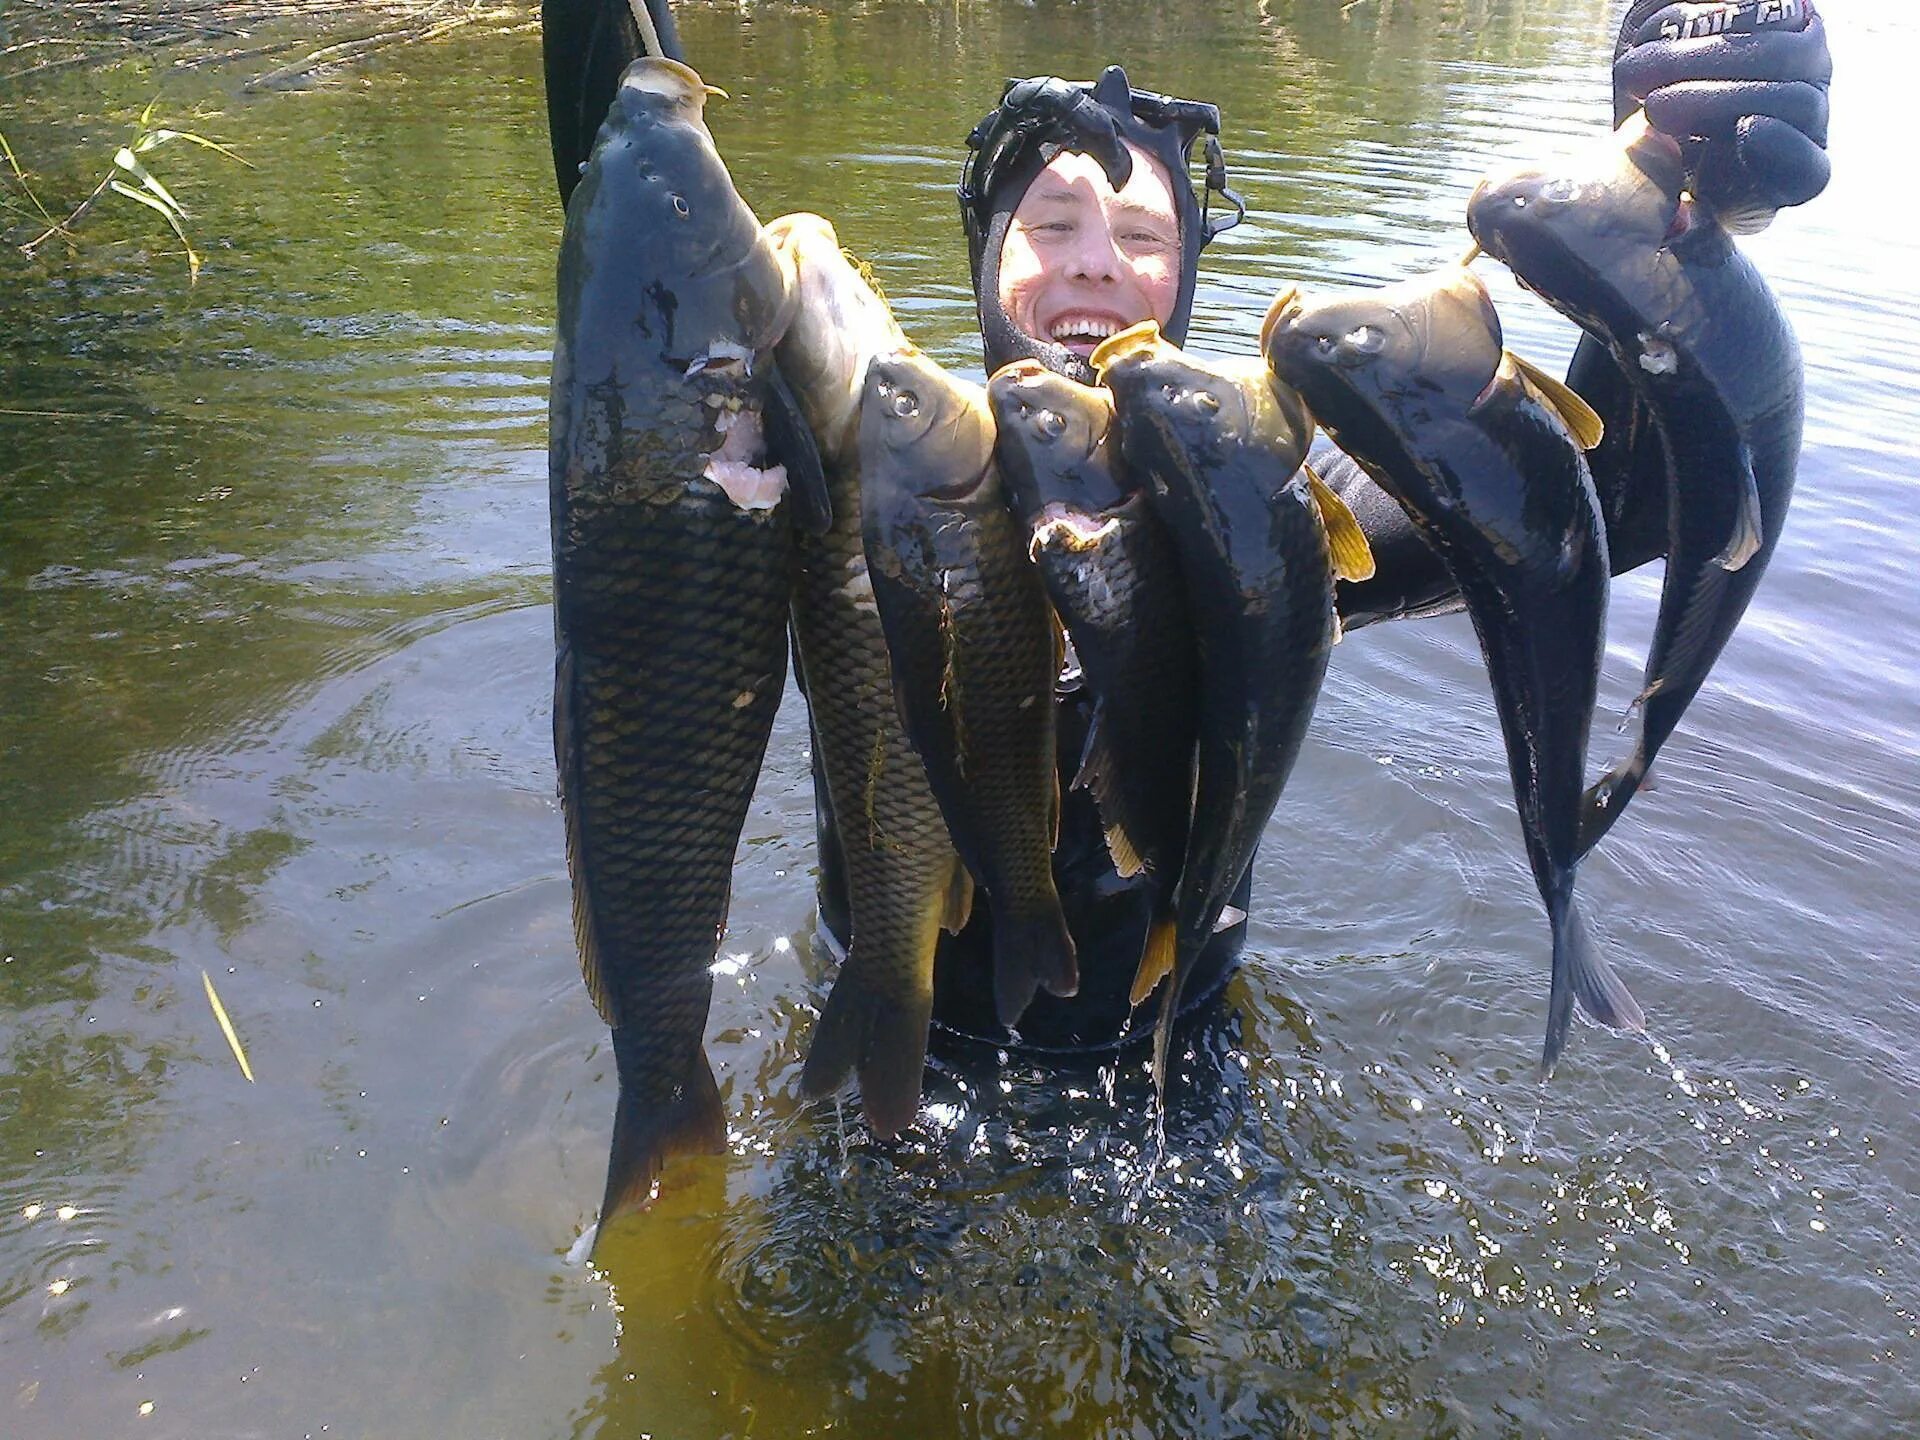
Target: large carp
x=975, y=653
x=672, y=563
x=904, y=879
x=1111, y=572
x=1479, y=449
x=1220, y=446
x=1616, y=246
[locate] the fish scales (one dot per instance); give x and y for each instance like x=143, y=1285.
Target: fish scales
x=903, y=878
x=1110, y=569
x=670, y=591
x=975, y=655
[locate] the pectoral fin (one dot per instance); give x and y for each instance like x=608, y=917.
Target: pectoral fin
x=1583, y=423
x=566, y=753
x=1156, y=960
x=1749, y=528
x=791, y=443
x=1352, y=556
x=1098, y=777
x=959, y=906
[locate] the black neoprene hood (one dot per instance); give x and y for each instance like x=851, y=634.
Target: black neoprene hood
x=1038, y=119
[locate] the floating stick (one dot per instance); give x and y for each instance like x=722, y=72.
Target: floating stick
x=226, y=1027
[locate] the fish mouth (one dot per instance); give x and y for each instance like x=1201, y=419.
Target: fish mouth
x=1018, y=393
x=1468, y=288
x=677, y=84
x=1136, y=342
x=1286, y=306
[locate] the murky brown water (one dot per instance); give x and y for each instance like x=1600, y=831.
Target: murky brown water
x=275, y=664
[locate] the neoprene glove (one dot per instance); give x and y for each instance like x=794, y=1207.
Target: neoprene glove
x=1743, y=86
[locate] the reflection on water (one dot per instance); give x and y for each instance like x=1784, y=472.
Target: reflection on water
x=275, y=671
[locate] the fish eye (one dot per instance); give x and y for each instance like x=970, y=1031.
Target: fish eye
x=1206, y=402
x=1365, y=340
x=1050, y=423
x=905, y=404
x=680, y=206
x=1557, y=191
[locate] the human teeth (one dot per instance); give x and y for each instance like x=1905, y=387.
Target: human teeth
x=1082, y=325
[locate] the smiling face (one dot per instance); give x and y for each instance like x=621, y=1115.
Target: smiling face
x=1082, y=260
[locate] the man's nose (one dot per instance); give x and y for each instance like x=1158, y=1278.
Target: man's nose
x=1094, y=256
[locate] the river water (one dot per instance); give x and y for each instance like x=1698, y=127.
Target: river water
x=275, y=665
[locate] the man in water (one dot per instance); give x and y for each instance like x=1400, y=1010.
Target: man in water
x=1082, y=219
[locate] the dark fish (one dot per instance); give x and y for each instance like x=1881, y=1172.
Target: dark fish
x=1615, y=246
x=975, y=651
x=1412, y=381
x=1111, y=571
x=1220, y=445
x=672, y=561
x=903, y=878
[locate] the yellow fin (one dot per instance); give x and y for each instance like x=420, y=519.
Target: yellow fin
x=1144, y=337
x=1558, y=396
x=1352, y=556
x=1098, y=776
x=1156, y=960
x=1123, y=852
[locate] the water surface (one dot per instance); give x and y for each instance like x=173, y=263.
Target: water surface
x=275, y=666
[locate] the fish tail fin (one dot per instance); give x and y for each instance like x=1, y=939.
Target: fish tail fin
x=878, y=1035
x=1163, y=1040
x=1029, y=952
x=1582, y=975
x=1156, y=959
x=1606, y=800
x=650, y=1128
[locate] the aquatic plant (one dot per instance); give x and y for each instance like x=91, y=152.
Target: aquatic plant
x=127, y=166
